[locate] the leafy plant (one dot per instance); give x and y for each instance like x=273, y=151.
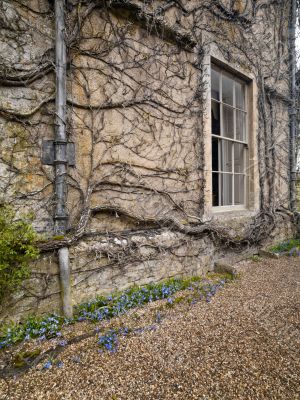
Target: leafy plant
x=17, y=249
x=286, y=247
x=109, y=341
x=33, y=327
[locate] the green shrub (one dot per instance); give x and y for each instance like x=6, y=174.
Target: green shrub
x=17, y=249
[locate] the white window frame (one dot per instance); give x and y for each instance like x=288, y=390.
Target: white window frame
x=222, y=138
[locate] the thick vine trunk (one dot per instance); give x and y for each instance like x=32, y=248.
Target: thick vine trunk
x=293, y=115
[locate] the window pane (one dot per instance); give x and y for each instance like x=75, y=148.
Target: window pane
x=239, y=189
x=226, y=189
x=239, y=95
x=215, y=190
x=239, y=158
x=215, y=84
x=227, y=120
x=229, y=126
x=240, y=126
x=227, y=90
x=215, y=118
x=215, y=154
x=226, y=156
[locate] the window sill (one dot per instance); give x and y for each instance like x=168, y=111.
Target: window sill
x=229, y=208
x=232, y=212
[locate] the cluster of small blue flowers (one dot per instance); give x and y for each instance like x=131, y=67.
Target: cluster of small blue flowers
x=109, y=341
x=41, y=328
x=49, y=364
x=205, y=290
x=145, y=329
x=294, y=252
x=290, y=248
x=106, y=308
x=210, y=290
x=103, y=308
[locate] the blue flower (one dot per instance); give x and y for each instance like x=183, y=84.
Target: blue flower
x=48, y=365
x=158, y=317
x=152, y=328
x=294, y=252
x=125, y=331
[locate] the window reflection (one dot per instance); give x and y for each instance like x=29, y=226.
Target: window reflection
x=215, y=118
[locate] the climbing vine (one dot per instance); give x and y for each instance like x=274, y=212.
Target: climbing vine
x=137, y=88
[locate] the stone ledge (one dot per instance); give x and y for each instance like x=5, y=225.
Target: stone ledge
x=222, y=267
x=268, y=254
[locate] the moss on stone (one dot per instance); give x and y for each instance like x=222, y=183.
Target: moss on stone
x=21, y=359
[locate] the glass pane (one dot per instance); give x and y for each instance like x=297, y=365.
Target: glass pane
x=215, y=84
x=215, y=154
x=240, y=126
x=227, y=120
x=226, y=189
x=239, y=189
x=227, y=90
x=240, y=95
x=239, y=158
x=226, y=156
x=215, y=118
x=215, y=190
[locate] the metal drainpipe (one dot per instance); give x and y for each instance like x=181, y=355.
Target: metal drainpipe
x=60, y=156
x=292, y=111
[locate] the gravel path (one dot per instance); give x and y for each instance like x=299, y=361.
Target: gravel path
x=242, y=345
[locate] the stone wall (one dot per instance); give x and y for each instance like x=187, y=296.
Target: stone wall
x=138, y=108
x=137, y=258
x=298, y=191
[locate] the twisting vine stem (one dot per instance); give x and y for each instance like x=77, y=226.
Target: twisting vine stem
x=135, y=109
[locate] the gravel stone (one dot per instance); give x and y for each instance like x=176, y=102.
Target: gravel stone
x=244, y=344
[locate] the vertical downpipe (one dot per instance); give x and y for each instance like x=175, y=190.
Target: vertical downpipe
x=60, y=156
x=292, y=112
